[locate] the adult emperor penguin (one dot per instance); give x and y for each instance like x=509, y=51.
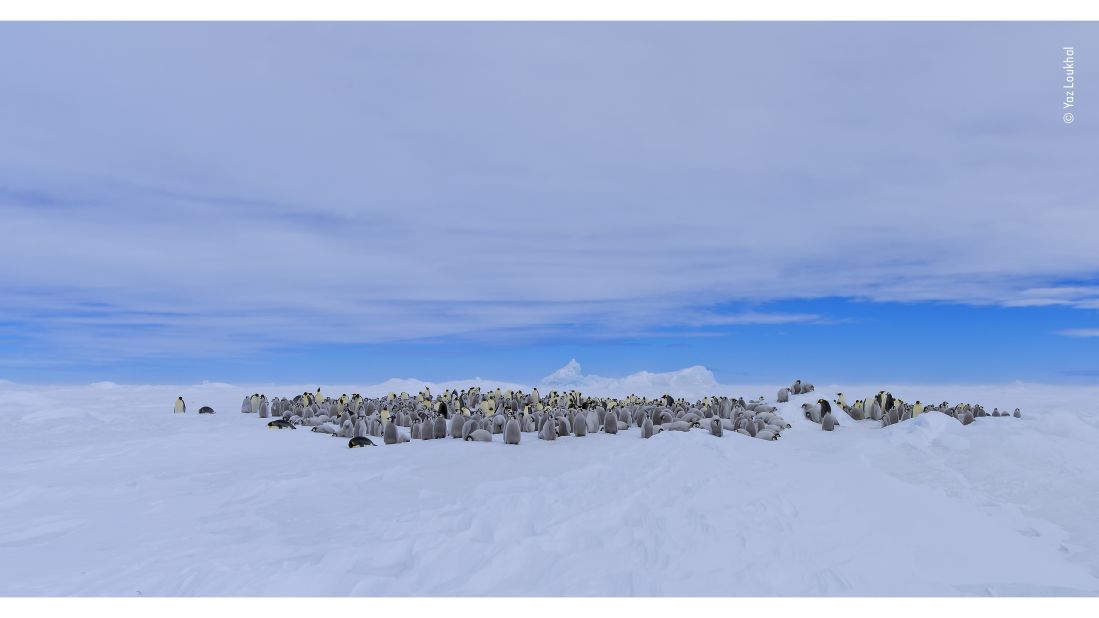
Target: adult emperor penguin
x=180, y=407
x=359, y=442
x=511, y=430
x=254, y=402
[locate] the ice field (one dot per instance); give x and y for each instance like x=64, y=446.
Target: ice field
x=106, y=492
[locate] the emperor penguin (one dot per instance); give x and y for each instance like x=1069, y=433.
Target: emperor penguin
x=647, y=427
x=511, y=431
x=891, y=417
x=469, y=426
x=264, y=409
x=456, y=425
x=580, y=426
x=246, y=405
x=254, y=403
x=389, y=435
x=180, y=407
x=440, y=427
x=715, y=427
x=783, y=395
x=828, y=422
x=1017, y=413
x=610, y=423
x=917, y=409
x=280, y=424
x=481, y=435
x=825, y=407
x=875, y=410
x=841, y=400
x=549, y=430
x=359, y=442
x=209, y=410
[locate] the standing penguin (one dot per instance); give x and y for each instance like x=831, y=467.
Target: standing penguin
x=511, y=431
x=456, y=425
x=440, y=427
x=246, y=405
x=828, y=422
x=610, y=424
x=389, y=435
x=180, y=407
x=715, y=427
x=264, y=409
x=549, y=431
x=647, y=427
x=783, y=395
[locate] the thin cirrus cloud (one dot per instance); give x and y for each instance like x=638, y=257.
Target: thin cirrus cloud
x=211, y=188
x=1079, y=332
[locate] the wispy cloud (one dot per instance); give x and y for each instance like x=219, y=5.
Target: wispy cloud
x=1079, y=332
x=382, y=182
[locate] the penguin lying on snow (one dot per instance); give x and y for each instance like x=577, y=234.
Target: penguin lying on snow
x=205, y=410
x=279, y=423
x=359, y=442
x=480, y=435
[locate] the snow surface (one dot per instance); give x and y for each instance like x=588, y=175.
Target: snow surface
x=106, y=492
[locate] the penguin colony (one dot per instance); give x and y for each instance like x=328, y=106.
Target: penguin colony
x=889, y=410
x=474, y=416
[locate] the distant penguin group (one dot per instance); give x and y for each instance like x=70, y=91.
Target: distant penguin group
x=471, y=415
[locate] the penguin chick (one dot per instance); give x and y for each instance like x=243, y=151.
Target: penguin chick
x=610, y=424
x=511, y=431
x=549, y=431
x=480, y=435
x=715, y=427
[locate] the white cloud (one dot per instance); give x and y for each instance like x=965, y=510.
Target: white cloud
x=1079, y=332
x=503, y=181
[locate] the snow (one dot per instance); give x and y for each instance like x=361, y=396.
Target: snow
x=106, y=492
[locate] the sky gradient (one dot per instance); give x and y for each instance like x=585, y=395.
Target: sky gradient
x=353, y=202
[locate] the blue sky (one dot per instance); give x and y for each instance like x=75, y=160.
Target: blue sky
x=352, y=202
